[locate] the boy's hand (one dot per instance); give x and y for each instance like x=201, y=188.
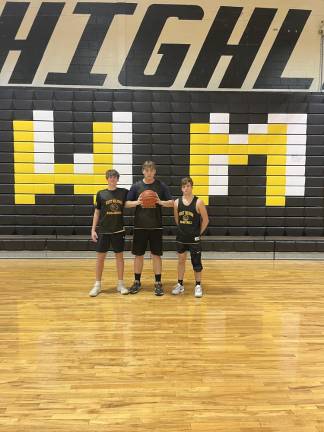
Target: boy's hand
x=94, y=236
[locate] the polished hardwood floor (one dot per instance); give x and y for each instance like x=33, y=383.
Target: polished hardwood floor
x=248, y=356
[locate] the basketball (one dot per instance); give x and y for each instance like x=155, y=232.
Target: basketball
x=149, y=198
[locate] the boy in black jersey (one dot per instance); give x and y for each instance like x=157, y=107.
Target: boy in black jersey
x=148, y=225
x=110, y=203
x=191, y=217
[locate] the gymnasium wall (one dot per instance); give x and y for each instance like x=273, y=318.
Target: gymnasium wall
x=228, y=92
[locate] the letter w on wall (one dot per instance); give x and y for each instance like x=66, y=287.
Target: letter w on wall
x=282, y=140
x=34, y=159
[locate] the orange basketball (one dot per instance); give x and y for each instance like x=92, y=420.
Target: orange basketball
x=149, y=198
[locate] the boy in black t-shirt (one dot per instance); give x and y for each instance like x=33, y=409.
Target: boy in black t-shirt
x=110, y=203
x=148, y=225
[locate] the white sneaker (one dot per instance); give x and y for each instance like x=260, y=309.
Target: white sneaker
x=95, y=290
x=178, y=289
x=198, y=291
x=122, y=289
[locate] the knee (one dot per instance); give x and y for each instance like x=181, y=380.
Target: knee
x=156, y=257
x=197, y=268
x=182, y=258
x=196, y=261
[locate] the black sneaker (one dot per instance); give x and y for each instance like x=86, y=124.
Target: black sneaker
x=135, y=287
x=158, y=289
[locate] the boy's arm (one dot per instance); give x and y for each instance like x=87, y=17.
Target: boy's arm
x=131, y=204
x=204, y=215
x=131, y=199
x=95, y=221
x=168, y=201
x=175, y=212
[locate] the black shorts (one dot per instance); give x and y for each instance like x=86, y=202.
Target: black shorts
x=191, y=247
x=115, y=242
x=195, y=254
x=142, y=237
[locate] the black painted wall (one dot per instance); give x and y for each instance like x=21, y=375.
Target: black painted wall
x=94, y=102
x=161, y=123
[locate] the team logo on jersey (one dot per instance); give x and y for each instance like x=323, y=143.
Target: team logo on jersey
x=114, y=207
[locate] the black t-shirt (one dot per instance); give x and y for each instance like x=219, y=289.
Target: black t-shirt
x=188, y=230
x=111, y=205
x=149, y=218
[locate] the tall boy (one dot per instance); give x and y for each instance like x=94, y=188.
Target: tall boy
x=148, y=225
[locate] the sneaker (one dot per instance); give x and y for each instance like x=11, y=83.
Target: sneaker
x=135, y=287
x=178, y=289
x=95, y=290
x=198, y=291
x=122, y=289
x=158, y=289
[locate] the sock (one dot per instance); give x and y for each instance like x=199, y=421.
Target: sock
x=138, y=277
x=180, y=281
x=98, y=283
x=120, y=282
x=197, y=283
x=157, y=278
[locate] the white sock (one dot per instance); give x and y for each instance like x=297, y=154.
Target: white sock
x=98, y=283
x=120, y=282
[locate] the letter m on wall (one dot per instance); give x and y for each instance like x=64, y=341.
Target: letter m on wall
x=282, y=140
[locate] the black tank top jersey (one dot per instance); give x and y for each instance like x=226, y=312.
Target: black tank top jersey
x=149, y=218
x=111, y=206
x=189, y=222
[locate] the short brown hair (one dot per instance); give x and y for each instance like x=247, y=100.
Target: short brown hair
x=112, y=173
x=186, y=180
x=148, y=165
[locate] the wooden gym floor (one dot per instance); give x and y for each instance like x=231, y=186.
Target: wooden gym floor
x=248, y=356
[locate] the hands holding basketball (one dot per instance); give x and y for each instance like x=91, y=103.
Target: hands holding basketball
x=149, y=199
